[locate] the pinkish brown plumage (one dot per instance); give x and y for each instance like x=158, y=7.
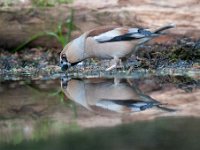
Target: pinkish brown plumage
x=108, y=42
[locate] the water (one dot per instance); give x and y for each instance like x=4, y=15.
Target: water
x=156, y=110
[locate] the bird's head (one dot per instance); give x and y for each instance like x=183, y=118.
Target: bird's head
x=71, y=55
x=64, y=81
x=64, y=62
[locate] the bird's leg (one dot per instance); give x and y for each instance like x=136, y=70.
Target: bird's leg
x=114, y=62
x=120, y=64
x=130, y=69
x=116, y=80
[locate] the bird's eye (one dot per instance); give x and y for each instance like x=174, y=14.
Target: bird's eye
x=63, y=56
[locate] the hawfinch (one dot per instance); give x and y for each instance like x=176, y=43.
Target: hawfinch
x=106, y=43
x=107, y=95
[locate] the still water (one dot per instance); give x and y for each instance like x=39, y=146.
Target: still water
x=96, y=112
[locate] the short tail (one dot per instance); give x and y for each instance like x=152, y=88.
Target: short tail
x=159, y=30
x=156, y=33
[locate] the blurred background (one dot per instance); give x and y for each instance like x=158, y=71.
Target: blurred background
x=22, y=20
x=35, y=113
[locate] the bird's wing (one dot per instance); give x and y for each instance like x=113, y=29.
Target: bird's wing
x=168, y=26
x=122, y=34
x=115, y=33
x=131, y=104
x=100, y=30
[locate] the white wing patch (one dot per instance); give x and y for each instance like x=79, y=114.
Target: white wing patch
x=107, y=35
x=118, y=34
x=109, y=105
x=133, y=30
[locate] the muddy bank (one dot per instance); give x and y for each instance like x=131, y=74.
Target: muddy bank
x=184, y=53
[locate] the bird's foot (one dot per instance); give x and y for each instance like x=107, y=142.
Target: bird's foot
x=115, y=63
x=111, y=67
x=130, y=69
x=115, y=67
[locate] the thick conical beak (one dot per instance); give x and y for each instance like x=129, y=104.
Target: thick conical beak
x=64, y=81
x=64, y=64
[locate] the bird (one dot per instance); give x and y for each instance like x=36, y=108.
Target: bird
x=108, y=95
x=107, y=42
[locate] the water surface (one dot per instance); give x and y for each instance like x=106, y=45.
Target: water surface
x=100, y=112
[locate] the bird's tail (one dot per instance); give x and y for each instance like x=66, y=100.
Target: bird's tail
x=159, y=30
x=156, y=33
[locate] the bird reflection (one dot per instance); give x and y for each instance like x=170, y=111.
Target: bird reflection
x=114, y=95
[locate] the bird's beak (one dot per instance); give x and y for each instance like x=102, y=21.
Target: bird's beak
x=64, y=64
x=64, y=81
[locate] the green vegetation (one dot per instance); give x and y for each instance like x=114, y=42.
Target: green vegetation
x=163, y=133
x=40, y=130
x=185, y=53
x=62, y=38
x=36, y=3
x=61, y=96
x=7, y=3
x=49, y=3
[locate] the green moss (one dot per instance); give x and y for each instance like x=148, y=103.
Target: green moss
x=184, y=51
